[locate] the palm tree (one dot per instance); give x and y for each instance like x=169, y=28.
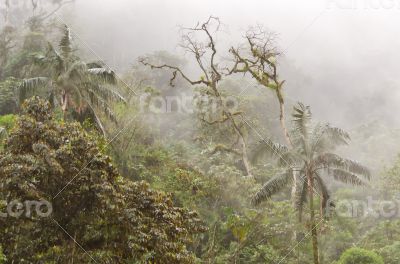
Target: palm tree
x=72, y=83
x=311, y=156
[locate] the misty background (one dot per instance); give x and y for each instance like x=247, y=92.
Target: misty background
x=339, y=57
x=346, y=54
x=210, y=144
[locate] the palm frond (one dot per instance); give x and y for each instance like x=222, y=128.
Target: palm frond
x=268, y=147
x=107, y=76
x=77, y=98
x=346, y=177
x=301, y=197
x=97, y=120
x=273, y=186
x=55, y=59
x=326, y=138
x=77, y=71
x=291, y=158
x=337, y=135
x=30, y=85
x=330, y=160
x=301, y=123
x=108, y=94
x=34, y=83
x=323, y=190
x=66, y=41
x=301, y=119
x=355, y=167
x=318, y=143
x=99, y=104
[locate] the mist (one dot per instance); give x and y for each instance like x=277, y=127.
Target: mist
x=205, y=160
x=347, y=52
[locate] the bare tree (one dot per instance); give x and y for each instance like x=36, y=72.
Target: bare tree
x=258, y=59
x=205, y=53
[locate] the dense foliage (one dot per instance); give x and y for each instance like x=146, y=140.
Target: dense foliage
x=203, y=158
x=2, y=257
x=358, y=255
x=115, y=220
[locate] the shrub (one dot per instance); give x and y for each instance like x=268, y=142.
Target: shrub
x=2, y=257
x=8, y=101
x=359, y=255
x=113, y=219
x=391, y=253
x=7, y=121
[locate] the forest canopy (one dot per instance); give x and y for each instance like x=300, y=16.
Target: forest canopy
x=201, y=154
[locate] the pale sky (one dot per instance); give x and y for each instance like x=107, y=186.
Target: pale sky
x=348, y=48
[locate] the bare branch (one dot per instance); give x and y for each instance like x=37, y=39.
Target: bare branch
x=223, y=148
x=205, y=53
x=259, y=62
x=175, y=71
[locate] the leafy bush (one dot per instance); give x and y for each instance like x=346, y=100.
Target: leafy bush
x=391, y=253
x=2, y=257
x=359, y=255
x=8, y=101
x=115, y=220
x=7, y=121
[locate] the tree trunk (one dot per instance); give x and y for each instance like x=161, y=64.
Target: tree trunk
x=282, y=118
x=242, y=141
x=283, y=123
x=237, y=129
x=313, y=226
x=7, y=12
x=64, y=104
x=295, y=188
x=245, y=157
x=286, y=135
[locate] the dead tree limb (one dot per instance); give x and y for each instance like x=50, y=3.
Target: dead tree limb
x=259, y=61
x=205, y=55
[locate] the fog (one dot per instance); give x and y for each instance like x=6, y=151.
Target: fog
x=346, y=50
x=203, y=141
